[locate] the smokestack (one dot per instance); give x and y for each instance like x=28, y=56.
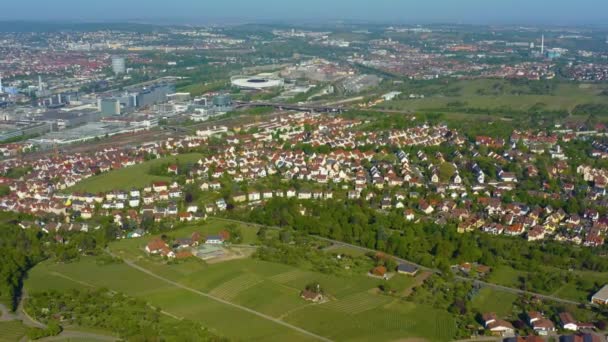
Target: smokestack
x=39, y=83
x=542, y=45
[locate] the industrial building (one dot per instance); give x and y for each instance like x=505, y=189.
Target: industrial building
x=92, y=130
x=178, y=97
x=154, y=95
x=65, y=119
x=117, y=105
x=203, y=110
x=109, y=106
x=223, y=100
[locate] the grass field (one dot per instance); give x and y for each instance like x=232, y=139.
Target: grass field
x=12, y=331
x=353, y=252
x=489, y=300
x=571, y=291
x=390, y=321
x=505, y=275
x=483, y=94
x=136, y=176
x=355, y=312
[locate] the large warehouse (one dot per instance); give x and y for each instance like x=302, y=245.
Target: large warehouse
x=258, y=82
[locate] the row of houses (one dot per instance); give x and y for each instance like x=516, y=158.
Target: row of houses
x=537, y=322
x=247, y=158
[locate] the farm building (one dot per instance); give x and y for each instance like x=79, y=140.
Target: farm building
x=311, y=296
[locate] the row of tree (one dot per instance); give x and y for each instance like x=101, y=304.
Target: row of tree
x=426, y=243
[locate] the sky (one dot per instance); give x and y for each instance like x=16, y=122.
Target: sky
x=545, y=12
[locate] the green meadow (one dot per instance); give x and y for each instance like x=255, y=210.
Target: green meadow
x=136, y=176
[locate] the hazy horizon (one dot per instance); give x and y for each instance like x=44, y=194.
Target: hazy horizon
x=541, y=12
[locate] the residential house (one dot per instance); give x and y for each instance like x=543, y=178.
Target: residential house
x=239, y=197
x=407, y=269
x=214, y=239
x=254, y=196
x=568, y=322
x=160, y=186
x=305, y=194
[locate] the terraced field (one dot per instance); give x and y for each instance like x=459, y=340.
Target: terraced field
x=12, y=331
x=230, y=289
x=357, y=303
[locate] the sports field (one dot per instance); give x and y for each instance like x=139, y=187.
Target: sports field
x=355, y=312
x=137, y=176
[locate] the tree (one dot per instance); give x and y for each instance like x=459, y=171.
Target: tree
x=386, y=288
x=390, y=264
x=235, y=234
x=189, y=198
x=53, y=328
x=314, y=287
x=285, y=236
x=262, y=233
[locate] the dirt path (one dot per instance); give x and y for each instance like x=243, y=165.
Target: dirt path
x=61, y=275
x=25, y=317
x=6, y=314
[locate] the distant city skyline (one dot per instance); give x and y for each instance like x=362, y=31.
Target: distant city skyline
x=543, y=12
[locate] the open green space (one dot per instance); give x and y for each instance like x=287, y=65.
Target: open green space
x=356, y=310
x=505, y=275
x=353, y=252
x=137, y=176
x=12, y=331
x=572, y=290
x=490, y=300
x=594, y=281
x=501, y=95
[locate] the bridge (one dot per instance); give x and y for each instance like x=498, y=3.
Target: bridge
x=292, y=106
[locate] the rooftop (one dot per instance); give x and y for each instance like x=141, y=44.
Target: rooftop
x=602, y=293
